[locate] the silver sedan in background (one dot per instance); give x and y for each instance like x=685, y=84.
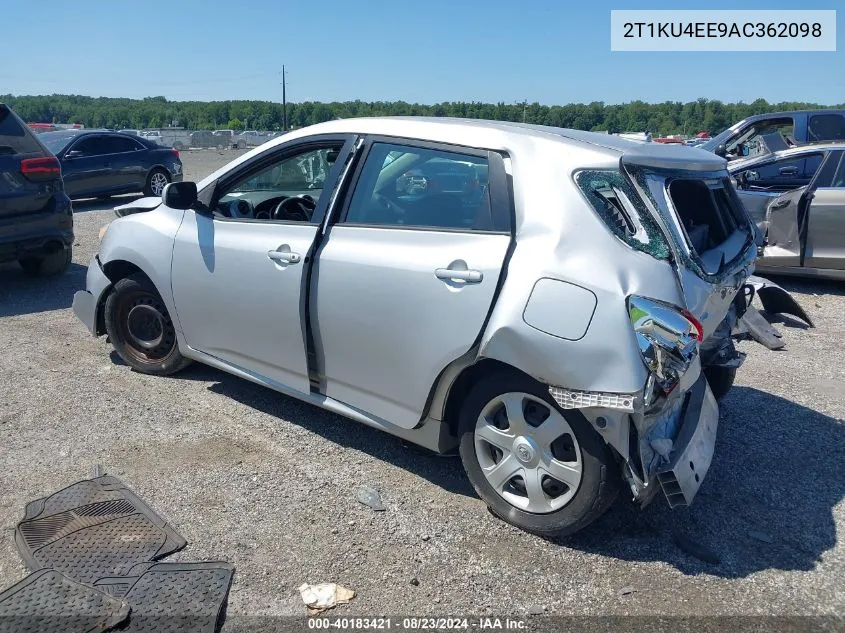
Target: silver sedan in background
x=797, y=199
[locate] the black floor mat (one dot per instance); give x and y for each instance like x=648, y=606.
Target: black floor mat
x=50, y=602
x=173, y=597
x=93, y=529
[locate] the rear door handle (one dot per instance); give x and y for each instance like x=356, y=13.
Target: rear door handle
x=469, y=276
x=284, y=256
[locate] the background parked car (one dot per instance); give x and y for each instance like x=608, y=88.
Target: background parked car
x=797, y=199
x=177, y=138
x=228, y=138
x=798, y=127
x=203, y=139
x=36, y=217
x=254, y=138
x=99, y=164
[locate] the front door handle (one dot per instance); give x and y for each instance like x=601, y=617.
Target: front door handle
x=284, y=256
x=469, y=276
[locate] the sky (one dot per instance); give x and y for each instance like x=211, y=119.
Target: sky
x=546, y=51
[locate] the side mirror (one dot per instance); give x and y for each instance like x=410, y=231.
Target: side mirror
x=74, y=153
x=179, y=195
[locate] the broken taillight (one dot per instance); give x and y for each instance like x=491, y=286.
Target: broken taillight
x=667, y=337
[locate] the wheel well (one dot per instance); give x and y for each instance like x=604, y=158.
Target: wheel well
x=465, y=381
x=119, y=269
x=156, y=168
x=115, y=271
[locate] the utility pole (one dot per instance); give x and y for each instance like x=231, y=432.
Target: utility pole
x=284, y=103
x=524, y=109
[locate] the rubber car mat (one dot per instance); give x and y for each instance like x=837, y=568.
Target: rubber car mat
x=47, y=601
x=173, y=597
x=93, y=529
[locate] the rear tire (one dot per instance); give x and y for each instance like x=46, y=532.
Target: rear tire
x=140, y=328
x=46, y=265
x=720, y=379
x=492, y=430
x=157, y=180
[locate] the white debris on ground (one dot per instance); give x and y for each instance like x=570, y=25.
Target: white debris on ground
x=326, y=595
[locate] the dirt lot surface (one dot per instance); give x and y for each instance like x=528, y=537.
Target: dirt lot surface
x=269, y=483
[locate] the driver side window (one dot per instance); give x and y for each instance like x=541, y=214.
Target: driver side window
x=286, y=189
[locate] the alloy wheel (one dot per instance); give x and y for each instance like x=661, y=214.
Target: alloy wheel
x=158, y=181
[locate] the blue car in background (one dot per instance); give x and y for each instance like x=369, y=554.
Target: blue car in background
x=101, y=163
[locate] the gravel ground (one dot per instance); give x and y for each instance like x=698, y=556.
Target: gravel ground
x=269, y=483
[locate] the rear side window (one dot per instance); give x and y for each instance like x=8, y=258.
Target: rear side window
x=616, y=202
x=826, y=127
x=15, y=137
x=404, y=186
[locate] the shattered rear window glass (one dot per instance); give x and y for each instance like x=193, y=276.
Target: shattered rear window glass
x=618, y=205
x=653, y=185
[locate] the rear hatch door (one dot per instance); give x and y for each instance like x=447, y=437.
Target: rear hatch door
x=711, y=236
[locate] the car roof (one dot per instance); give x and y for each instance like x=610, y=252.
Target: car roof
x=505, y=135
x=800, y=150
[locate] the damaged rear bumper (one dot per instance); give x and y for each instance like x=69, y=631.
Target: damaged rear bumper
x=692, y=448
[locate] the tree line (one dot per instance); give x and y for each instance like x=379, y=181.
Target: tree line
x=670, y=117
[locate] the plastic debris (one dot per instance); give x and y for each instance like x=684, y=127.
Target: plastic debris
x=326, y=595
x=370, y=497
x=662, y=446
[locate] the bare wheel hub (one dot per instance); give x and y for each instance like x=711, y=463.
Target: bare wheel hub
x=528, y=452
x=146, y=326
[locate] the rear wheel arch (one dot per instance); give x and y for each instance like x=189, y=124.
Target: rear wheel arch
x=466, y=380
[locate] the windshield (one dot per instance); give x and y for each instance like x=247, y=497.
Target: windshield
x=56, y=141
x=745, y=140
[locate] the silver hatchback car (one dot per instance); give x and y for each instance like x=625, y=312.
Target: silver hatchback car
x=551, y=303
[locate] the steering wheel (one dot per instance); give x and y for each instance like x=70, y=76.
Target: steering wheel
x=296, y=208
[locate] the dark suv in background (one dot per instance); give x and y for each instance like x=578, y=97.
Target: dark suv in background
x=36, y=217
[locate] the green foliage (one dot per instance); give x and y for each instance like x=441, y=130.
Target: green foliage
x=235, y=124
x=658, y=118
